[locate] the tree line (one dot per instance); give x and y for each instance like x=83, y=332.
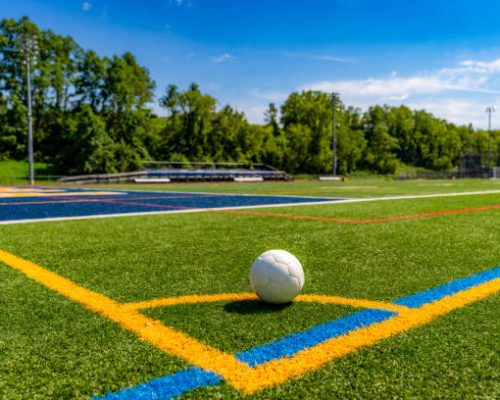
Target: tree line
x=93, y=114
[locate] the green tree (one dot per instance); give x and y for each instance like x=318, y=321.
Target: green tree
x=351, y=142
x=190, y=123
x=312, y=110
x=87, y=146
x=127, y=85
x=380, y=153
x=90, y=80
x=439, y=143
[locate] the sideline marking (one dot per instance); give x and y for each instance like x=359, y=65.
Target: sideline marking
x=372, y=327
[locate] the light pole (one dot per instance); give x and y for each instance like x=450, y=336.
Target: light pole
x=335, y=99
x=29, y=44
x=489, y=110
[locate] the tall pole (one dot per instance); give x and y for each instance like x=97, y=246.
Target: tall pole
x=489, y=110
x=30, y=125
x=30, y=47
x=334, y=134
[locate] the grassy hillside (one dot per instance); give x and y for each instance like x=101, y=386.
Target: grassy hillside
x=17, y=172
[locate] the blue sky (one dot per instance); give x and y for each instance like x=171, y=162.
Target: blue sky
x=440, y=55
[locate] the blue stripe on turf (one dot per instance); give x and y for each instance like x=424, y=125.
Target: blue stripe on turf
x=428, y=296
x=292, y=344
x=166, y=387
x=170, y=386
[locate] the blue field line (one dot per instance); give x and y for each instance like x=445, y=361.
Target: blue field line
x=428, y=296
x=171, y=386
x=168, y=386
x=292, y=344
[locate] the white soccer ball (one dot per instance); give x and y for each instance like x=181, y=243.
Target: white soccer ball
x=276, y=276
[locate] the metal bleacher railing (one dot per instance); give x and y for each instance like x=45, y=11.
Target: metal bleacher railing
x=179, y=171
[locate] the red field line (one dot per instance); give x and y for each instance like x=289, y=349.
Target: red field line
x=365, y=221
x=113, y=201
x=134, y=203
x=66, y=199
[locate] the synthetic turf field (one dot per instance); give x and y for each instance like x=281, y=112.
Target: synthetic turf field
x=52, y=347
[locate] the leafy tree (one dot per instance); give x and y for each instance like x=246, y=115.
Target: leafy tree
x=298, y=138
x=439, y=144
x=12, y=128
x=90, y=80
x=351, y=142
x=87, y=146
x=380, y=153
x=271, y=119
x=401, y=124
x=191, y=114
x=312, y=110
x=127, y=86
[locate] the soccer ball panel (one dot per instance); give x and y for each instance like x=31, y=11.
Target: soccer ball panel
x=284, y=257
x=296, y=271
x=258, y=275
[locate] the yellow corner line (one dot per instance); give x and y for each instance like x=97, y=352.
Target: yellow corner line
x=308, y=298
x=191, y=299
x=279, y=371
x=166, y=339
x=357, y=303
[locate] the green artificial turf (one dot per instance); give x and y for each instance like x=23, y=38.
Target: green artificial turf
x=53, y=348
x=239, y=325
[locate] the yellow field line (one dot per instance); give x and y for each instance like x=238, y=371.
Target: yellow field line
x=357, y=303
x=56, y=194
x=240, y=375
x=166, y=339
x=308, y=298
x=279, y=371
x=191, y=299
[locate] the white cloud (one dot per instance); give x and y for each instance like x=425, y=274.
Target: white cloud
x=482, y=66
x=317, y=57
x=458, y=93
x=255, y=114
x=86, y=6
x=460, y=112
x=271, y=96
x=222, y=58
x=403, y=87
x=383, y=87
x=181, y=3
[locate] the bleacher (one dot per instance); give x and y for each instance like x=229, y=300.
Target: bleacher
x=167, y=171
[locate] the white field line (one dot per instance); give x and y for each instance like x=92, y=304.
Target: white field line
x=124, y=191
x=196, y=210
